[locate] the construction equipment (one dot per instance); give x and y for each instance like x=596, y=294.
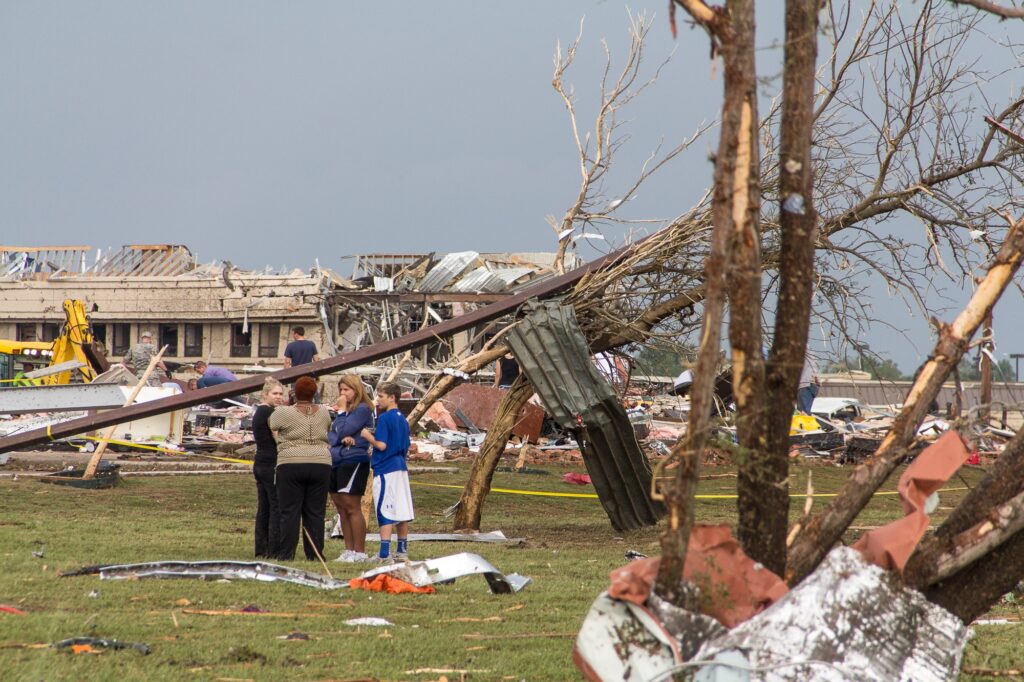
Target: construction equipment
x=19, y=357
x=23, y=363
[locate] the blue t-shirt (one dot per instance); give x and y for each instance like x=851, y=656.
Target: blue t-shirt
x=350, y=424
x=300, y=352
x=393, y=430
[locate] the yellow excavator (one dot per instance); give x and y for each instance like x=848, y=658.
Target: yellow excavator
x=74, y=346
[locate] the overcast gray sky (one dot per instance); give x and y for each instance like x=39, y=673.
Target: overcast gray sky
x=273, y=133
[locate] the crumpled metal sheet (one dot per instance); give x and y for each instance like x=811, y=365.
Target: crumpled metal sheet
x=552, y=351
x=448, y=568
x=479, y=281
x=449, y=269
x=848, y=620
x=211, y=570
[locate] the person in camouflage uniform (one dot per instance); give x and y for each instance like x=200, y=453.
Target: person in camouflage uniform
x=139, y=356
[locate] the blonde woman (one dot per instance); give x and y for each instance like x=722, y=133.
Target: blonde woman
x=350, y=463
x=268, y=518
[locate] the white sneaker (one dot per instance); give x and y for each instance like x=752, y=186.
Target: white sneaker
x=353, y=557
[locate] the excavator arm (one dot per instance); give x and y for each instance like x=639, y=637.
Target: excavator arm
x=76, y=343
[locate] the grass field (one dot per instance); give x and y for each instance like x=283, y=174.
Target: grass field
x=569, y=552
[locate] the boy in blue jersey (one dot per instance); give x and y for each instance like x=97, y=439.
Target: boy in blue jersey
x=392, y=496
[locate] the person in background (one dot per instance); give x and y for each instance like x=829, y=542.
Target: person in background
x=506, y=370
x=350, y=464
x=303, y=470
x=299, y=351
x=139, y=355
x=807, y=389
x=268, y=516
x=20, y=379
x=392, y=496
x=212, y=375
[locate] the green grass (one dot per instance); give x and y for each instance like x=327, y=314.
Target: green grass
x=570, y=550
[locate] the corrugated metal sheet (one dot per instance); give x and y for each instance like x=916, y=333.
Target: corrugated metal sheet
x=450, y=267
x=552, y=351
x=480, y=280
x=510, y=275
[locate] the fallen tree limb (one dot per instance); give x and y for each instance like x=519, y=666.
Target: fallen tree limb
x=470, y=510
x=953, y=553
x=1001, y=484
x=817, y=538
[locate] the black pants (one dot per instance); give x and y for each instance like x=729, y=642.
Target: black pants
x=302, y=494
x=268, y=515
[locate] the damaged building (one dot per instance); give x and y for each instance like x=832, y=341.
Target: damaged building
x=243, y=318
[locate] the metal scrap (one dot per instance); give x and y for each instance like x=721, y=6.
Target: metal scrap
x=446, y=569
x=211, y=570
x=848, y=620
x=81, y=644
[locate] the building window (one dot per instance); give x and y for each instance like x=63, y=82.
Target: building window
x=122, y=338
x=241, y=342
x=168, y=336
x=51, y=330
x=99, y=334
x=270, y=340
x=26, y=331
x=193, y=340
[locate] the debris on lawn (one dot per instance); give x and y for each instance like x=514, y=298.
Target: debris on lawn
x=210, y=570
x=493, y=537
x=448, y=568
x=576, y=478
x=385, y=582
x=13, y=610
x=847, y=620
x=88, y=645
x=370, y=621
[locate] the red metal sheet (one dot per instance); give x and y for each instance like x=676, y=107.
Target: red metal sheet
x=479, y=403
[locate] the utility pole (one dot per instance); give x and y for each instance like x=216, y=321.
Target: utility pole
x=985, y=350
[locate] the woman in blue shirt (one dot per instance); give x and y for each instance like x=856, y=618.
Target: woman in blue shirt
x=350, y=463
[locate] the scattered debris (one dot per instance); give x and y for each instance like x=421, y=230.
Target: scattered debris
x=576, y=478
x=448, y=568
x=493, y=537
x=81, y=645
x=295, y=636
x=370, y=621
x=13, y=610
x=385, y=582
x=210, y=570
x=848, y=620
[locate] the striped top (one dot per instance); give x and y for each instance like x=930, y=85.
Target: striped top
x=301, y=439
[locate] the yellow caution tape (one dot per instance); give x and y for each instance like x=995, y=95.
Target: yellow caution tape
x=592, y=496
x=140, y=446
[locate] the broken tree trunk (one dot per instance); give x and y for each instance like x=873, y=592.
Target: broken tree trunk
x=470, y=509
x=1002, y=483
x=973, y=590
x=825, y=529
x=679, y=494
x=763, y=489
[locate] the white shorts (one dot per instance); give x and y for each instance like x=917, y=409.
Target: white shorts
x=392, y=498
